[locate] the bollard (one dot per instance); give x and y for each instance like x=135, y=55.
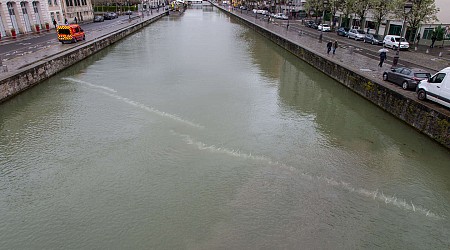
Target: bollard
x=428, y=51
x=415, y=48
x=440, y=54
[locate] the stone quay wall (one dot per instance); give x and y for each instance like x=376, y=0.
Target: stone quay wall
x=32, y=74
x=431, y=122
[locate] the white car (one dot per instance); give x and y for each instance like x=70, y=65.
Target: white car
x=281, y=16
x=391, y=41
x=324, y=27
x=356, y=34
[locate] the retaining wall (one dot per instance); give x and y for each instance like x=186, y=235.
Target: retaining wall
x=41, y=70
x=432, y=122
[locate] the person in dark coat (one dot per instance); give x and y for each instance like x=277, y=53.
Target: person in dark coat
x=55, y=23
x=329, y=45
x=75, y=19
x=383, y=57
x=335, y=46
x=433, y=39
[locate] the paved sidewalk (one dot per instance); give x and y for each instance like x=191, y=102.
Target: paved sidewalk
x=56, y=47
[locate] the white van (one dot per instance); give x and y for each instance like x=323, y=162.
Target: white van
x=392, y=42
x=437, y=88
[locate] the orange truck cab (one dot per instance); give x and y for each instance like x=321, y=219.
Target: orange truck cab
x=71, y=33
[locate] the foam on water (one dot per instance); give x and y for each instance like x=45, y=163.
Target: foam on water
x=90, y=84
x=136, y=104
x=375, y=195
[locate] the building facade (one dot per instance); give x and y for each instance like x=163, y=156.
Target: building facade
x=19, y=17
x=27, y=16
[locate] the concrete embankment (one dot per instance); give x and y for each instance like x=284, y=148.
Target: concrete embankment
x=38, y=71
x=434, y=122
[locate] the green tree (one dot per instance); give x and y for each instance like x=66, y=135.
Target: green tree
x=334, y=6
x=346, y=7
x=360, y=8
x=315, y=6
x=423, y=11
x=380, y=10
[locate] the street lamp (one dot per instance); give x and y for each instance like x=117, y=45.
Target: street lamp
x=406, y=9
x=289, y=14
x=325, y=3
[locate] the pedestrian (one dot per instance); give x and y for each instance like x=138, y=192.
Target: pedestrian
x=383, y=57
x=75, y=20
x=418, y=38
x=433, y=39
x=55, y=23
x=65, y=21
x=329, y=45
x=335, y=46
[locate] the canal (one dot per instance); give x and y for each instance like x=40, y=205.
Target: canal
x=197, y=133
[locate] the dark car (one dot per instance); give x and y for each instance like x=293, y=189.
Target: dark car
x=342, y=31
x=373, y=39
x=110, y=15
x=128, y=12
x=408, y=78
x=99, y=19
x=311, y=24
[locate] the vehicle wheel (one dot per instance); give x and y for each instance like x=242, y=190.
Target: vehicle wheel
x=421, y=94
x=385, y=77
x=394, y=47
x=405, y=85
x=74, y=40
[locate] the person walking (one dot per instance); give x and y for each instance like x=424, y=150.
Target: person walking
x=335, y=46
x=383, y=57
x=65, y=21
x=55, y=23
x=433, y=39
x=329, y=45
x=75, y=20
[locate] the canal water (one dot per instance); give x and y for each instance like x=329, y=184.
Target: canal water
x=197, y=133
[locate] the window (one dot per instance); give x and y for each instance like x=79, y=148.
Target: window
x=437, y=78
x=56, y=2
x=406, y=71
x=49, y=2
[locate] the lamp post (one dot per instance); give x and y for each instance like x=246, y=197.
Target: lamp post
x=406, y=9
x=325, y=3
x=288, y=14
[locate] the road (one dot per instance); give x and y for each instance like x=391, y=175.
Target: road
x=359, y=47
x=36, y=42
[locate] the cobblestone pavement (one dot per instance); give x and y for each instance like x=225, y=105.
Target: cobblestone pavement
x=346, y=56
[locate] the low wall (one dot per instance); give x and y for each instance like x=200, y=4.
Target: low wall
x=41, y=70
x=434, y=123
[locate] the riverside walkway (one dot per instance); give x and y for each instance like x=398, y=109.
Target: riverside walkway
x=346, y=54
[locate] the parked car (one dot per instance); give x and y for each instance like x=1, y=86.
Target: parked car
x=324, y=27
x=436, y=88
x=407, y=78
x=98, y=19
x=311, y=24
x=281, y=16
x=373, y=39
x=110, y=15
x=128, y=12
x=342, y=31
x=391, y=41
x=242, y=7
x=356, y=34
